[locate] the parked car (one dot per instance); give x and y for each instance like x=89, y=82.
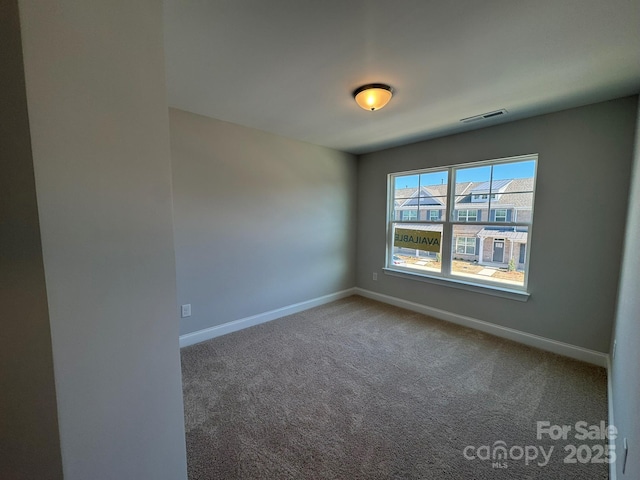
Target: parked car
x=397, y=260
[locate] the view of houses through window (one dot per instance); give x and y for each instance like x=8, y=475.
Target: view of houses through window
x=468, y=222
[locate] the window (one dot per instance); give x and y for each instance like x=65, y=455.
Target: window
x=466, y=245
x=467, y=215
x=408, y=215
x=476, y=230
x=482, y=197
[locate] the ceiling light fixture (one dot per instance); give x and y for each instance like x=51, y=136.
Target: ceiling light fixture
x=373, y=96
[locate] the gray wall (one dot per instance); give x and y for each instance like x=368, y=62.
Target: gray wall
x=625, y=372
x=100, y=140
x=29, y=442
x=261, y=221
x=580, y=211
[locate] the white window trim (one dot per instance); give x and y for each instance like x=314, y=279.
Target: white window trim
x=465, y=245
x=403, y=212
x=466, y=215
x=445, y=277
x=493, y=290
x=506, y=215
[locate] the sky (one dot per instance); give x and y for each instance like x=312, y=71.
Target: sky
x=474, y=174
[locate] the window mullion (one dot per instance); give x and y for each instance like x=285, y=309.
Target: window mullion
x=447, y=229
x=490, y=193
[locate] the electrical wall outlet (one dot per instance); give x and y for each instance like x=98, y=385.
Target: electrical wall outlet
x=375, y=275
x=185, y=310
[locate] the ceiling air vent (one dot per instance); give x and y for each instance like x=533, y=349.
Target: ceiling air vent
x=484, y=116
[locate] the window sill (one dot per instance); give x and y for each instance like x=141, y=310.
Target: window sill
x=495, y=291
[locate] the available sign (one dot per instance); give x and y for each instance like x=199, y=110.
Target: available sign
x=417, y=239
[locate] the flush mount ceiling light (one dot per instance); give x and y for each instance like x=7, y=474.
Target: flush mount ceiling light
x=373, y=96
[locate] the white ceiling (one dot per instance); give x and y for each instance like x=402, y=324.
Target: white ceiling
x=289, y=66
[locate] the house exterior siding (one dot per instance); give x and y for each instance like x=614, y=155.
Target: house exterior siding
x=483, y=210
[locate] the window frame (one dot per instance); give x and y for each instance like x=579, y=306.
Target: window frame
x=450, y=219
x=410, y=210
x=495, y=215
x=467, y=210
x=466, y=245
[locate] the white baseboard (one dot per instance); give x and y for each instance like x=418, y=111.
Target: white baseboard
x=561, y=348
x=212, y=332
x=612, y=443
x=566, y=349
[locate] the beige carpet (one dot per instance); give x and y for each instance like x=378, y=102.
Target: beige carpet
x=361, y=390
